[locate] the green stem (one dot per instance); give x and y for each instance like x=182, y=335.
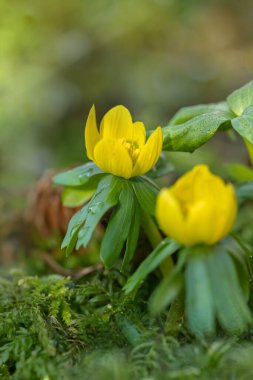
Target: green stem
x=249, y=147
x=155, y=238
x=150, y=230
x=176, y=311
x=175, y=315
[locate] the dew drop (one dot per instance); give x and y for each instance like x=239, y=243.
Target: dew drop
x=97, y=194
x=95, y=207
x=84, y=176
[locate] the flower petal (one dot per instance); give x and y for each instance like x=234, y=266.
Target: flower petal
x=117, y=124
x=139, y=133
x=190, y=185
x=169, y=215
x=112, y=157
x=149, y=153
x=227, y=211
x=200, y=223
x=91, y=133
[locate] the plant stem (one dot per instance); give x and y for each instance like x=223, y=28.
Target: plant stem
x=155, y=238
x=150, y=230
x=175, y=315
x=176, y=311
x=249, y=147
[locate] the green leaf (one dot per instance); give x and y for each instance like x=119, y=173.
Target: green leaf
x=243, y=275
x=133, y=236
x=246, y=247
x=241, y=255
x=239, y=172
x=83, y=223
x=244, y=191
x=166, y=292
x=230, y=304
x=118, y=228
x=200, y=311
x=244, y=124
x=193, y=133
x=188, y=113
x=74, y=226
x=171, y=285
x=165, y=249
x=146, y=194
x=235, y=246
x=77, y=176
x=106, y=196
x=240, y=99
x=76, y=196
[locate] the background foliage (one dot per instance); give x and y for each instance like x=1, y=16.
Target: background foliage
x=154, y=57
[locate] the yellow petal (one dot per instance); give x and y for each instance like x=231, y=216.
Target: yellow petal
x=169, y=215
x=111, y=157
x=186, y=187
x=139, y=133
x=226, y=213
x=207, y=185
x=117, y=124
x=149, y=153
x=91, y=133
x=200, y=223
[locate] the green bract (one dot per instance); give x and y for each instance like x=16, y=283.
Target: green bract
x=214, y=282
x=104, y=192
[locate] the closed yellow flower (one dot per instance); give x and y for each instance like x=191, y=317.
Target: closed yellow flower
x=198, y=208
x=119, y=147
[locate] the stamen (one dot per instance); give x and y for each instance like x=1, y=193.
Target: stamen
x=132, y=148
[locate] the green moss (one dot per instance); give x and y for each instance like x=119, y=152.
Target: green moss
x=52, y=328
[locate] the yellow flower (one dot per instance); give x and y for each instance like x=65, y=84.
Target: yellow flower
x=198, y=208
x=120, y=146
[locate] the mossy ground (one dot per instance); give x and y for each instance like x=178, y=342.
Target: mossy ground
x=53, y=328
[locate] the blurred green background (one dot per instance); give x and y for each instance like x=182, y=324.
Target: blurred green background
x=57, y=58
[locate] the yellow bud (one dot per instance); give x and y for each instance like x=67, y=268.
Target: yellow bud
x=200, y=208
x=119, y=146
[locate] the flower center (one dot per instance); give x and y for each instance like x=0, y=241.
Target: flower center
x=133, y=149
x=185, y=207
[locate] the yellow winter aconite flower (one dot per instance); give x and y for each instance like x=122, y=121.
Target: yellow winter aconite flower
x=119, y=147
x=198, y=208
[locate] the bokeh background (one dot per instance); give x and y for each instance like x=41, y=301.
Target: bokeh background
x=57, y=58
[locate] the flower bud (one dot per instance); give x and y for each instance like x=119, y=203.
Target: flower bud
x=200, y=208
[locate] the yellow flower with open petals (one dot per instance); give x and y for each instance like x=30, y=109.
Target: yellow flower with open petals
x=198, y=208
x=120, y=146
